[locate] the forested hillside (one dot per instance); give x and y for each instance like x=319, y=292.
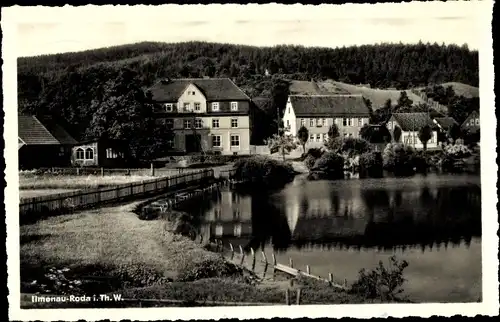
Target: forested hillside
x=71, y=86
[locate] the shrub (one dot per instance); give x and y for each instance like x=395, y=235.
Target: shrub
x=381, y=283
x=315, y=152
x=371, y=165
x=457, y=151
x=355, y=146
x=208, y=268
x=263, y=171
x=421, y=161
x=399, y=159
x=309, y=161
x=330, y=165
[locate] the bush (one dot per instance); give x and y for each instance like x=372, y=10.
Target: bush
x=371, y=165
x=454, y=155
x=399, y=159
x=421, y=161
x=309, y=161
x=316, y=153
x=263, y=172
x=330, y=165
x=381, y=283
x=354, y=146
x=208, y=268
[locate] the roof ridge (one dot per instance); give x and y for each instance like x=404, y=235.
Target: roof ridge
x=327, y=95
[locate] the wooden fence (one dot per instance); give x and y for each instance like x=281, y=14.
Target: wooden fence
x=274, y=266
x=85, y=171
x=69, y=201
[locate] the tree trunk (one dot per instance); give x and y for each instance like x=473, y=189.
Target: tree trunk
x=304, y=148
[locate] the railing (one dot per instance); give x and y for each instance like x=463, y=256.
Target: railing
x=89, y=197
x=83, y=171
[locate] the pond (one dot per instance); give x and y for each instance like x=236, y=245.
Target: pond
x=340, y=227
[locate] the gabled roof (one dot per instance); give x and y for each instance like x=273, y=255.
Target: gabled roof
x=329, y=105
x=474, y=114
x=445, y=122
x=33, y=132
x=413, y=121
x=214, y=89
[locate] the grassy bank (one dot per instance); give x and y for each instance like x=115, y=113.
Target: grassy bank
x=110, y=250
x=49, y=181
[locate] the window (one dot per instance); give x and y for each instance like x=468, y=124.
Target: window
x=80, y=154
x=197, y=106
x=198, y=123
x=318, y=137
x=302, y=122
x=325, y=136
x=216, y=141
x=235, y=140
x=320, y=123
x=237, y=230
x=234, y=122
x=344, y=121
x=477, y=121
x=234, y=106
x=170, y=143
x=360, y=122
x=324, y=122
x=169, y=124
x=215, y=123
x=288, y=123
x=111, y=154
x=311, y=137
x=236, y=213
x=311, y=122
x=352, y=122
x=187, y=107
x=89, y=154
x=169, y=107
x=215, y=106
x=187, y=124
x=345, y=135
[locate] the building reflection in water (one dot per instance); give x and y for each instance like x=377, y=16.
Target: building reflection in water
x=354, y=215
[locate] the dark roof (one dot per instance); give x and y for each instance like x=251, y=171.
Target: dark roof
x=57, y=131
x=446, y=122
x=474, y=114
x=329, y=105
x=32, y=131
x=413, y=121
x=214, y=89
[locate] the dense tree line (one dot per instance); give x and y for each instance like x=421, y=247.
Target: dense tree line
x=70, y=85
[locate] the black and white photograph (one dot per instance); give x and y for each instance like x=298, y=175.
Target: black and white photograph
x=246, y=160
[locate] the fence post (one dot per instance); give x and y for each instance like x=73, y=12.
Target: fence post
x=274, y=265
x=330, y=277
x=291, y=262
x=232, y=250
x=102, y=171
x=298, y=296
x=152, y=169
x=253, y=258
x=242, y=256
x=287, y=297
x=77, y=171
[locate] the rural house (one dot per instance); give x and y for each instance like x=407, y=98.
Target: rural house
x=471, y=123
x=318, y=112
x=98, y=153
x=42, y=143
x=206, y=115
x=410, y=124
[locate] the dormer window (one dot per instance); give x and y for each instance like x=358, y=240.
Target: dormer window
x=234, y=106
x=215, y=106
x=169, y=107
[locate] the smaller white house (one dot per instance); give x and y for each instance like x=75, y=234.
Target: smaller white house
x=410, y=124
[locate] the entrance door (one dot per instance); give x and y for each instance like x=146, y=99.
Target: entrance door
x=193, y=143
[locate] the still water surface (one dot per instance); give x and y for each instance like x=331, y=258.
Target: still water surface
x=433, y=222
